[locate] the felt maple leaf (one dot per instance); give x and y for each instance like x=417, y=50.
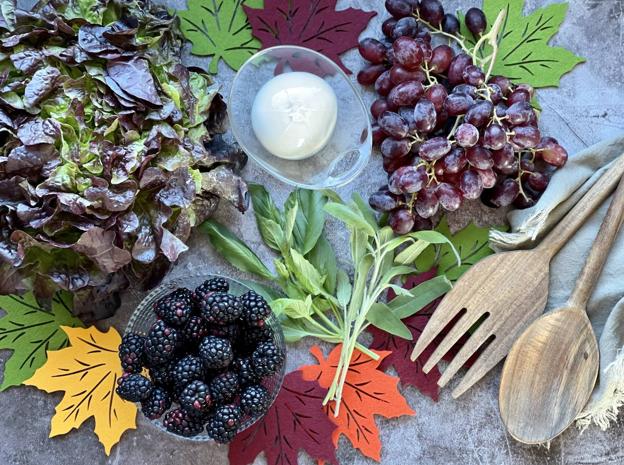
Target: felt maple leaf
x=367, y=392
x=87, y=371
x=313, y=24
x=29, y=331
x=296, y=421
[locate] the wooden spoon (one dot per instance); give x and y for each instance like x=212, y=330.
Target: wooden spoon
x=551, y=369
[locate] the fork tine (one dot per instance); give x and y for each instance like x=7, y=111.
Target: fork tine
x=474, y=342
x=486, y=361
x=436, y=324
x=460, y=328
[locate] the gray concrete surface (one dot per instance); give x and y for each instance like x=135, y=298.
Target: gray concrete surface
x=588, y=107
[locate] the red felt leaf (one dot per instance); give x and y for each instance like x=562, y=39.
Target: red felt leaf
x=296, y=421
x=411, y=373
x=313, y=24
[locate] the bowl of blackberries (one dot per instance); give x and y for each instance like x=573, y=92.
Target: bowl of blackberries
x=204, y=357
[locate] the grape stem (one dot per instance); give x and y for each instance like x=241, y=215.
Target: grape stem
x=438, y=30
x=491, y=38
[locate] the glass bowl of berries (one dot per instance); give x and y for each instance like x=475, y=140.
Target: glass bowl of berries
x=204, y=356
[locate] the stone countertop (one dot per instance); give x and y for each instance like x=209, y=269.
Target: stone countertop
x=587, y=108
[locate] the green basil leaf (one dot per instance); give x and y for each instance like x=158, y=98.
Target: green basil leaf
x=366, y=211
x=343, y=288
x=381, y=316
x=294, y=330
x=310, y=218
x=351, y=218
x=268, y=217
x=323, y=258
x=307, y=275
x=234, y=250
x=281, y=268
x=293, y=308
x=267, y=292
x=411, y=252
x=420, y=296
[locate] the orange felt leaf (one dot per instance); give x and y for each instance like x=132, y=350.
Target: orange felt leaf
x=367, y=392
x=87, y=371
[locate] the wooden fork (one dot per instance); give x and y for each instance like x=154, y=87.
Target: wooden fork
x=505, y=292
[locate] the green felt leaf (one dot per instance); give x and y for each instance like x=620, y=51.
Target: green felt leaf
x=219, y=28
x=471, y=243
x=524, y=54
x=30, y=331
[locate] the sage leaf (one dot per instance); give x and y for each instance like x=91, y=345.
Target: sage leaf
x=351, y=218
x=395, y=271
x=323, y=258
x=343, y=288
x=419, y=297
x=293, y=308
x=307, y=275
x=310, y=218
x=411, y=253
x=234, y=250
x=366, y=211
x=381, y=316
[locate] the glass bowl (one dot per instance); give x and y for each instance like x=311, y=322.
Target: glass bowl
x=348, y=149
x=144, y=317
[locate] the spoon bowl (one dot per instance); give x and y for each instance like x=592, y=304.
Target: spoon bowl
x=549, y=375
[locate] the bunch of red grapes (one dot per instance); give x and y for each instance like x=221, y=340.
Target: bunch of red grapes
x=446, y=131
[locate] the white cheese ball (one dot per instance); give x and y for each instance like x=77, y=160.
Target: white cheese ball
x=294, y=115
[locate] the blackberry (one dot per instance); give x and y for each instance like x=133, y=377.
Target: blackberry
x=220, y=308
x=156, y=404
x=209, y=286
x=175, y=308
x=254, y=400
x=224, y=388
x=255, y=309
x=134, y=387
x=245, y=372
x=230, y=332
x=223, y=423
x=161, y=374
x=182, y=423
x=266, y=359
x=194, y=330
x=160, y=344
x=188, y=368
x=195, y=398
x=131, y=352
x=215, y=352
x=256, y=335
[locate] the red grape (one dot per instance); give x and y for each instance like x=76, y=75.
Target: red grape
x=378, y=107
x=449, y=196
x=427, y=202
x=479, y=157
x=395, y=148
x=406, y=94
x=434, y=148
x=401, y=221
x=518, y=95
x=456, y=69
x=441, y=57
x=505, y=161
x=378, y=135
x=387, y=27
x=465, y=89
x=369, y=75
x=436, y=94
x=408, y=180
x=538, y=181
x=405, y=27
x=467, y=135
x=479, y=114
x=383, y=84
x=496, y=94
x=399, y=8
x=450, y=24
x=473, y=75
x=390, y=165
x=458, y=104
x=455, y=161
x=431, y=11
x=488, y=178
x=398, y=74
x=393, y=124
x=494, y=137
x=408, y=52
x=383, y=201
x=471, y=185
x=552, y=153
x=505, y=193
x=526, y=137
x=519, y=113
x=528, y=88
x=502, y=82
x=475, y=21
x=372, y=50
x=425, y=116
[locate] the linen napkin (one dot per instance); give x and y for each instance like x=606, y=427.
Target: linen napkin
x=606, y=306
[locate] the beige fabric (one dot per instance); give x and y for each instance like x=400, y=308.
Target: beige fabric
x=606, y=307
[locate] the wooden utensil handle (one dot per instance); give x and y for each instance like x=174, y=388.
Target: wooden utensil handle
x=585, y=207
x=600, y=250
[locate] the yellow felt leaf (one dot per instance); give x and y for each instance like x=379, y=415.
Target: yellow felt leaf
x=87, y=371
